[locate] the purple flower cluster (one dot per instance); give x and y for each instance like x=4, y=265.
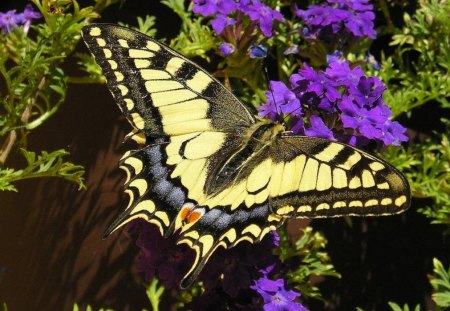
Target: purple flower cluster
x=159, y=256
x=227, y=277
x=340, y=103
x=259, y=13
x=274, y=293
x=339, y=17
x=236, y=21
x=11, y=19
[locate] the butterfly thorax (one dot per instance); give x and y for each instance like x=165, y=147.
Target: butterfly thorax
x=254, y=145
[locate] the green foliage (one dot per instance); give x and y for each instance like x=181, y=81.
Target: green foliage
x=194, y=38
x=309, y=252
x=396, y=307
x=418, y=72
x=34, y=86
x=145, y=25
x=440, y=281
x=89, y=308
x=427, y=167
x=154, y=293
x=44, y=165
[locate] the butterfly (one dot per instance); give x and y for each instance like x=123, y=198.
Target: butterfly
x=210, y=170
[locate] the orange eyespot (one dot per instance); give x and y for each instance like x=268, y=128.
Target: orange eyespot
x=194, y=216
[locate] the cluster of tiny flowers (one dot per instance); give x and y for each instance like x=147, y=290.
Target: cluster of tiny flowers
x=274, y=293
x=340, y=103
x=229, y=15
x=11, y=19
x=235, y=277
x=339, y=17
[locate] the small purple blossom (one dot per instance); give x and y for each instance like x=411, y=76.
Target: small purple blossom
x=280, y=100
x=227, y=13
x=340, y=103
x=258, y=51
x=237, y=268
x=213, y=7
x=319, y=129
x=339, y=17
x=274, y=293
x=220, y=22
x=160, y=256
x=8, y=21
x=337, y=56
x=27, y=16
x=262, y=14
x=226, y=49
x=11, y=19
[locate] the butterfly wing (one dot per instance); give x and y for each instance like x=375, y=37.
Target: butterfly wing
x=314, y=177
x=297, y=177
x=179, y=111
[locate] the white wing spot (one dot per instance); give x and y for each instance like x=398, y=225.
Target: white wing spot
x=113, y=64
x=123, y=43
x=107, y=52
x=95, y=31
x=101, y=42
x=153, y=46
x=135, y=53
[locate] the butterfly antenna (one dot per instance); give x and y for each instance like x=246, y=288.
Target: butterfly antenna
x=266, y=75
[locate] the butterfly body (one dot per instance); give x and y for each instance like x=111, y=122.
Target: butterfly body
x=207, y=168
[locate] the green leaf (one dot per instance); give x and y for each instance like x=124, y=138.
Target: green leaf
x=154, y=293
x=309, y=251
x=396, y=307
x=440, y=281
x=44, y=165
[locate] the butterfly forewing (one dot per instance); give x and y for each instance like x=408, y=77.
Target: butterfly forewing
x=159, y=90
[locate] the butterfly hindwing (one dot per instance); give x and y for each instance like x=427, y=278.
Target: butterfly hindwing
x=332, y=179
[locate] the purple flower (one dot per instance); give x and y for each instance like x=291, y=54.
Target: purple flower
x=160, y=256
x=8, y=21
x=341, y=73
x=227, y=49
x=220, y=22
x=339, y=96
x=319, y=129
x=337, y=56
x=11, y=19
x=366, y=121
x=368, y=91
x=258, y=51
x=237, y=268
x=212, y=7
x=393, y=133
x=339, y=17
x=27, y=16
x=264, y=15
x=259, y=13
x=275, y=296
x=318, y=83
x=280, y=100
x=362, y=25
